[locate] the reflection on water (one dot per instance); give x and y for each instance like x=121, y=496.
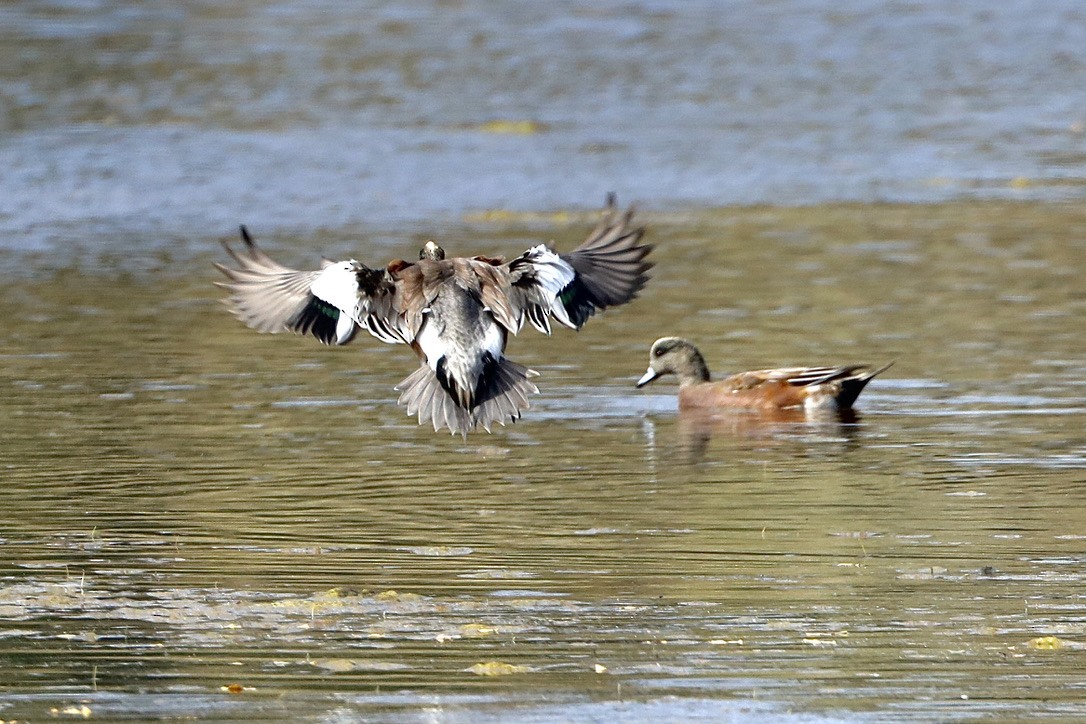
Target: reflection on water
x=190, y=507
x=695, y=429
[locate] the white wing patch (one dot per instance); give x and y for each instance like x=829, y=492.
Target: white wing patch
x=551, y=271
x=345, y=328
x=552, y=274
x=337, y=284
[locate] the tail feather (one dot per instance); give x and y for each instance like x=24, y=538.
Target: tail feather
x=452, y=416
x=411, y=390
x=503, y=393
x=422, y=395
x=444, y=413
x=500, y=397
x=433, y=407
x=851, y=387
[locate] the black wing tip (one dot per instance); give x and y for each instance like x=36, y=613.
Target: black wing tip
x=247, y=238
x=250, y=247
x=610, y=209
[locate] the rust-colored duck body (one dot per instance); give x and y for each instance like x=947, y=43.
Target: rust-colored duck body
x=810, y=388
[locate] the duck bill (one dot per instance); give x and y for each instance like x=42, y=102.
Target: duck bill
x=648, y=377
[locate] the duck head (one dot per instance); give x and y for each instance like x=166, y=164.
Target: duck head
x=430, y=250
x=673, y=355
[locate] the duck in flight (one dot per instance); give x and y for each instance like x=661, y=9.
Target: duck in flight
x=455, y=313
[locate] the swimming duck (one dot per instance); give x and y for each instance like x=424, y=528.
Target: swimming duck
x=456, y=314
x=812, y=388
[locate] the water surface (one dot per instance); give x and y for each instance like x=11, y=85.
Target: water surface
x=165, y=122
x=199, y=521
x=191, y=506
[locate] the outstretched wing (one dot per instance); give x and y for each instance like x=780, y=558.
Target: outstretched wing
x=607, y=269
x=331, y=304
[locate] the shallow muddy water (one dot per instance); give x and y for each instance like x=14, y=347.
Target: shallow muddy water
x=189, y=505
x=199, y=521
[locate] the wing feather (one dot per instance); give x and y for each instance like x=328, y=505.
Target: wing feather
x=607, y=269
x=330, y=303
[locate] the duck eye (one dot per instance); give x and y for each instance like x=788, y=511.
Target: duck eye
x=659, y=352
